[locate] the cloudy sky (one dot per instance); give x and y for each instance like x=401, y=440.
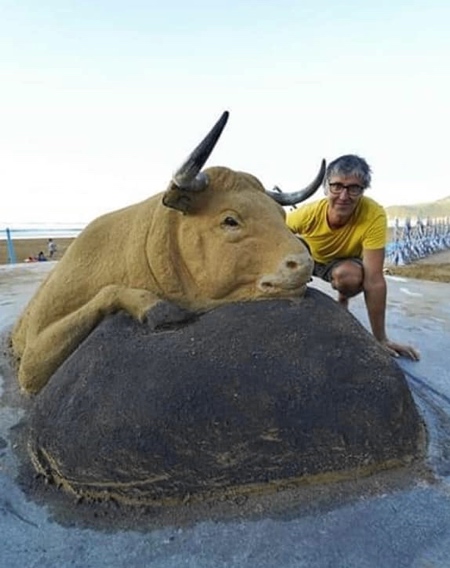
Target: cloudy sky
x=101, y=100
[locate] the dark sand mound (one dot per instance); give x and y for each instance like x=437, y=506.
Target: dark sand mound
x=238, y=399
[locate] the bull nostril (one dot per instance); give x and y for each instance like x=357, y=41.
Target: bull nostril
x=292, y=264
x=267, y=285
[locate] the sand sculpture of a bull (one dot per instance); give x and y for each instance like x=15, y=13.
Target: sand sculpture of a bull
x=212, y=237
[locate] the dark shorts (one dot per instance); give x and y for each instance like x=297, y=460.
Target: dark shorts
x=324, y=271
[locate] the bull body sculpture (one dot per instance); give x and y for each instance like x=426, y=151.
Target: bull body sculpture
x=212, y=237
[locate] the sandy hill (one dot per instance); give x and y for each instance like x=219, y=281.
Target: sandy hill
x=439, y=208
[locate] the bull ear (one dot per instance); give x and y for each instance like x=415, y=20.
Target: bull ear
x=176, y=198
x=298, y=196
x=179, y=198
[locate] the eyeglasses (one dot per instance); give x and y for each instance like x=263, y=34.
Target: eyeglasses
x=353, y=189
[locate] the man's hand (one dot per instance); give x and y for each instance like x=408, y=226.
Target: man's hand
x=398, y=349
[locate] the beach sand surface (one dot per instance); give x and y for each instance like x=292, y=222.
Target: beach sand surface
x=25, y=248
x=435, y=267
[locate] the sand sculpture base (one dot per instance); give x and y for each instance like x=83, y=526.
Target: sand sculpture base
x=243, y=398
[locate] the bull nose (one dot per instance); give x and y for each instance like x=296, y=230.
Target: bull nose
x=293, y=273
x=296, y=262
x=296, y=268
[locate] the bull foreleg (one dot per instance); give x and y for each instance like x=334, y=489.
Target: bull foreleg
x=46, y=350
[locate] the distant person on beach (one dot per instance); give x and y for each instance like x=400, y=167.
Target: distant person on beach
x=39, y=258
x=346, y=232
x=51, y=247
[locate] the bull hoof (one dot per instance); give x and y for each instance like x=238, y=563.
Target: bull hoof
x=167, y=314
x=246, y=397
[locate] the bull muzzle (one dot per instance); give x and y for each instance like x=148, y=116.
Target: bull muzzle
x=291, y=277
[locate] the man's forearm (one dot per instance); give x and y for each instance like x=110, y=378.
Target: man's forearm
x=375, y=297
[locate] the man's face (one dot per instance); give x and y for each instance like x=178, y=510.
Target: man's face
x=344, y=193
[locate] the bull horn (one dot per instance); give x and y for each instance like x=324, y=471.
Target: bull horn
x=298, y=196
x=188, y=175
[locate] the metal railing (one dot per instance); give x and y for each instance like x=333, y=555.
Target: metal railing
x=9, y=243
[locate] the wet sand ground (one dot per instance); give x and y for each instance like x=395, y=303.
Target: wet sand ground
x=396, y=519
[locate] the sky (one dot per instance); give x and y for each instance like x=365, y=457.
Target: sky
x=102, y=100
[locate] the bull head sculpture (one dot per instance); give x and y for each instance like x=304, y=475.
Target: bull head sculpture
x=189, y=178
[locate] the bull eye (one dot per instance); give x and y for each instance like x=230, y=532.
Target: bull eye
x=230, y=222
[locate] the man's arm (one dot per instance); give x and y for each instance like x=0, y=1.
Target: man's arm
x=374, y=286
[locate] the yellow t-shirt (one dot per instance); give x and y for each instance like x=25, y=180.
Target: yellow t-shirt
x=366, y=229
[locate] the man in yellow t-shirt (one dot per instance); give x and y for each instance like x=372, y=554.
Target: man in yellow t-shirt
x=346, y=233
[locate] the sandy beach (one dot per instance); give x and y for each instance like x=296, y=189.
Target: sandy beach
x=435, y=268
x=31, y=247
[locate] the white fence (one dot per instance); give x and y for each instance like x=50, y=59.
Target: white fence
x=417, y=239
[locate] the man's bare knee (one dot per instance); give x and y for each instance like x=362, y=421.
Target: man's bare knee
x=347, y=278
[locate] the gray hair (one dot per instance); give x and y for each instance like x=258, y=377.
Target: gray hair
x=349, y=165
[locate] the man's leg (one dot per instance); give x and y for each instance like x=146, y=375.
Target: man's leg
x=347, y=277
